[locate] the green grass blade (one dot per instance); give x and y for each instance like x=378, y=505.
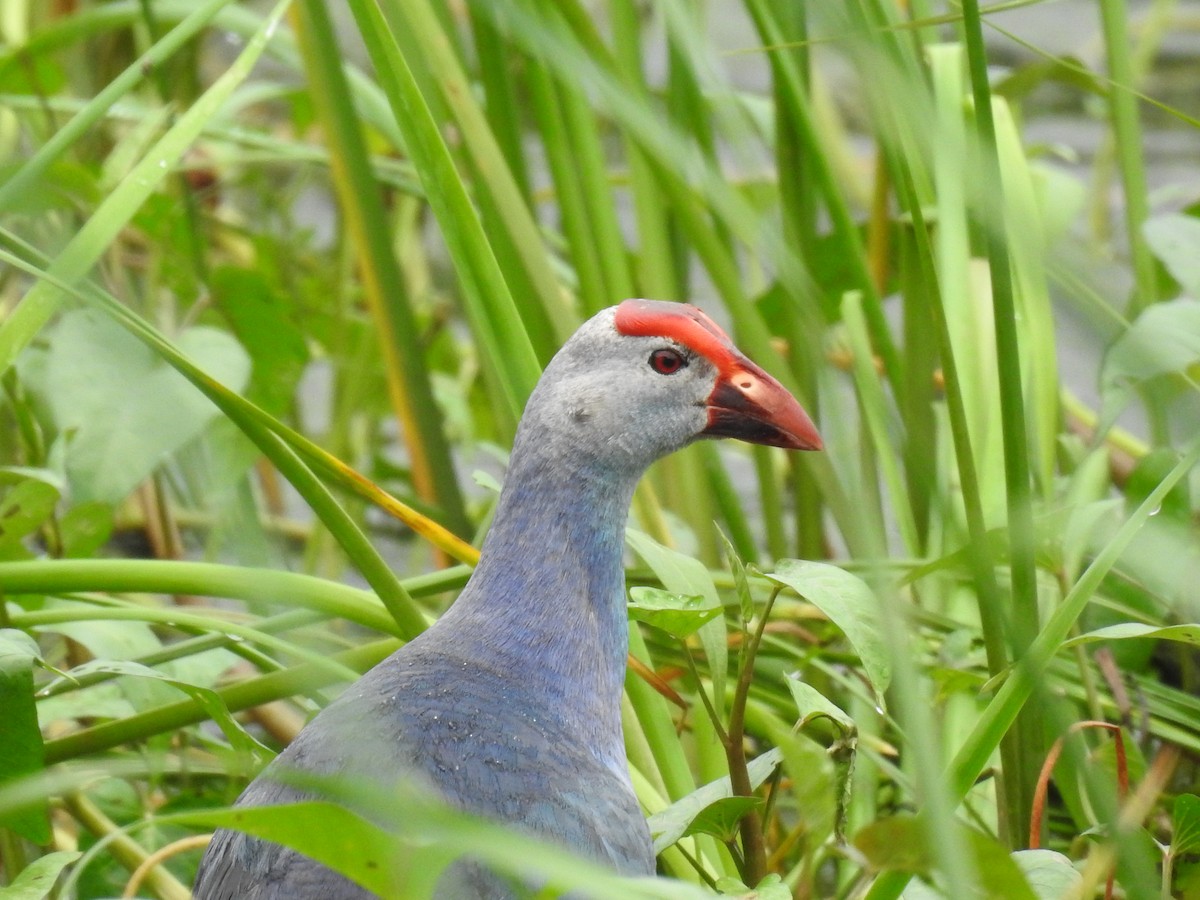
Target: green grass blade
x=200, y=579
x=408, y=381
x=1025, y=609
x=495, y=318
x=516, y=239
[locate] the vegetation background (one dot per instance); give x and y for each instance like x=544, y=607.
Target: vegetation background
x=251, y=250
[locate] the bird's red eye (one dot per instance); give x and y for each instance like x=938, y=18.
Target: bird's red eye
x=666, y=361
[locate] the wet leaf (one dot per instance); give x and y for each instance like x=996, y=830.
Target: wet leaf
x=678, y=615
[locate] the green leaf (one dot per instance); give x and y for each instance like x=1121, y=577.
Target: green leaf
x=678, y=615
x=20, y=738
x=125, y=408
x=22, y=511
x=721, y=819
x=896, y=843
x=850, y=605
x=812, y=704
x=684, y=575
x=668, y=825
x=263, y=321
x=423, y=836
x=36, y=881
x=1185, y=825
x=901, y=844
x=326, y=832
x=740, y=581
x=1165, y=338
x=1050, y=874
x=1175, y=239
x=84, y=529
x=1184, y=634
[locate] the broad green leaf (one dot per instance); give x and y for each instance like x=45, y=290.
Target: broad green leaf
x=812, y=704
x=84, y=529
x=124, y=408
x=669, y=825
x=109, y=640
x=1050, y=874
x=1185, y=825
x=23, y=508
x=678, y=615
x=677, y=572
x=1165, y=338
x=896, y=843
x=36, y=880
x=901, y=844
x=264, y=323
x=721, y=819
x=850, y=605
x=1175, y=239
x=20, y=737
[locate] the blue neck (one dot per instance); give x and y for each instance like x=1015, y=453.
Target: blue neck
x=546, y=603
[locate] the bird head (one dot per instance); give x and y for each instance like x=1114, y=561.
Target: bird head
x=647, y=377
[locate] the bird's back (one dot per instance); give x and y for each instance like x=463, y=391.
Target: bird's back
x=480, y=738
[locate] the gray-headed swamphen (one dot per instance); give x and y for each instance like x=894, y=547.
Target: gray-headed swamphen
x=510, y=705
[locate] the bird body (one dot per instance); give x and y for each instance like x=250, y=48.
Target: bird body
x=509, y=706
